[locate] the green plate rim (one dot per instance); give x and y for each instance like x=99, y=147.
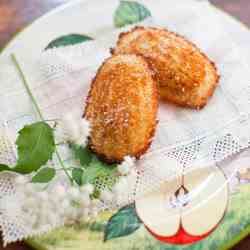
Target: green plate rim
x=30, y=242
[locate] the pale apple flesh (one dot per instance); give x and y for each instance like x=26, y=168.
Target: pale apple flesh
x=202, y=199
x=154, y=204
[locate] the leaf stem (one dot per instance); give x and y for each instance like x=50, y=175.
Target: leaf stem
x=63, y=166
x=68, y=168
x=37, y=108
x=25, y=83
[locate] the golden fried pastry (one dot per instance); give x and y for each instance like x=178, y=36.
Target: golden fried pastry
x=185, y=75
x=122, y=108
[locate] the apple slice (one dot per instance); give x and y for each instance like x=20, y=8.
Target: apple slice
x=186, y=209
x=153, y=209
x=209, y=202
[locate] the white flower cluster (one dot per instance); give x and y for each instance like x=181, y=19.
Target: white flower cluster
x=120, y=189
x=125, y=167
x=71, y=129
x=57, y=205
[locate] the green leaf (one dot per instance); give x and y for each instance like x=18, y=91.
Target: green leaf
x=66, y=40
x=123, y=223
x=129, y=12
x=35, y=146
x=4, y=167
x=45, y=175
x=77, y=174
x=83, y=154
x=96, y=170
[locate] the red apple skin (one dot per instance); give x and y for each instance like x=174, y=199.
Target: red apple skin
x=181, y=237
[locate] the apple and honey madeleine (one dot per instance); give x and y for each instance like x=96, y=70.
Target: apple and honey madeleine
x=122, y=108
x=185, y=75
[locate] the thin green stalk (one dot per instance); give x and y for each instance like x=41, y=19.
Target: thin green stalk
x=63, y=166
x=69, y=168
x=26, y=85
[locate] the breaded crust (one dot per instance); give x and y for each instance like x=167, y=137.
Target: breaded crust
x=122, y=108
x=185, y=75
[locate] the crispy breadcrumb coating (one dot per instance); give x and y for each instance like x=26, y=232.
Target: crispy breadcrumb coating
x=122, y=108
x=185, y=75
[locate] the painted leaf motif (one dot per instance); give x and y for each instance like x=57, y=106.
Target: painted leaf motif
x=123, y=223
x=97, y=169
x=66, y=40
x=45, y=175
x=4, y=167
x=35, y=146
x=129, y=12
x=77, y=174
x=84, y=155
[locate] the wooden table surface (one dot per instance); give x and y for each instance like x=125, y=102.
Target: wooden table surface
x=16, y=14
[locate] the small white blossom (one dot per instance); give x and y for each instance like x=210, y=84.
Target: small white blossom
x=66, y=129
x=29, y=189
x=125, y=167
x=69, y=124
x=106, y=196
x=65, y=205
x=87, y=188
x=72, y=129
x=84, y=131
x=84, y=200
x=30, y=203
x=73, y=193
x=59, y=191
x=71, y=214
x=60, y=134
x=52, y=219
x=43, y=196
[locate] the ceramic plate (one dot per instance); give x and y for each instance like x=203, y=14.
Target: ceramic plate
x=75, y=18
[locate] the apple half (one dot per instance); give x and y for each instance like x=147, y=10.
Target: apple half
x=186, y=209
